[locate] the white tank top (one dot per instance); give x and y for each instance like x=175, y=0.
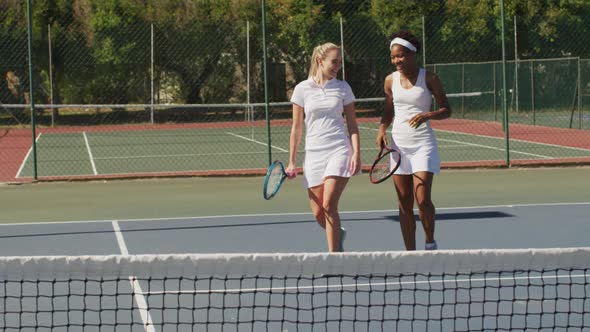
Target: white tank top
x=407, y=103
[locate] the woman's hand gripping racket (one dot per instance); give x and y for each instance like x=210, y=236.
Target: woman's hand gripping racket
x=274, y=179
x=385, y=164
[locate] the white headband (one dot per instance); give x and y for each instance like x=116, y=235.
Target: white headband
x=403, y=43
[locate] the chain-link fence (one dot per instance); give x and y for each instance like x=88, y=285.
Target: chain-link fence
x=166, y=88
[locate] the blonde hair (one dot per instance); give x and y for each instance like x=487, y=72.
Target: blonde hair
x=319, y=52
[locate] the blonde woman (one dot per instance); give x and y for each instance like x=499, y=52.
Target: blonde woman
x=332, y=153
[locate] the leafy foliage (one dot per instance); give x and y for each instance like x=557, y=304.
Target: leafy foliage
x=101, y=49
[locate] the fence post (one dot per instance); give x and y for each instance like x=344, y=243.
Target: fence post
x=249, y=117
x=580, y=94
x=152, y=73
x=463, y=90
x=515, y=65
x=31, y=95
x=504, y=108
x=533, y=91
x=495, y=91
x=423, y=43
x=50, y=75
x=265, y=81
x=342, y=49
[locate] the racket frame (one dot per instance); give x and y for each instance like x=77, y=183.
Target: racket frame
x=275, y=190
x=385, y=153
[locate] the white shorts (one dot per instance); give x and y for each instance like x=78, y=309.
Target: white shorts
x=423, y=158
x=320, y=164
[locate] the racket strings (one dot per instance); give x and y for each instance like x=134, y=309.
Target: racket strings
x=382, y=168
x=273, y=180
x=385, y=166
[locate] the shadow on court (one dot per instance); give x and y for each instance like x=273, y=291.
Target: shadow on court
x=216, y=224
x=479, y=215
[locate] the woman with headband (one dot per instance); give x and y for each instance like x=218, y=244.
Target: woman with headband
x=408, y=100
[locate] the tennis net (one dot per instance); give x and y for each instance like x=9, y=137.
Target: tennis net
x=500, y=290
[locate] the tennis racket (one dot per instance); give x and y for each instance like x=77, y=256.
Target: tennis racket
x=385, y=165
x=274, y=179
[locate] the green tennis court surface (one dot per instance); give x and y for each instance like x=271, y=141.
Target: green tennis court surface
x=96, y=153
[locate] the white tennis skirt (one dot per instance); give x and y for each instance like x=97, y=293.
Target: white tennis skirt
x=323, y=163
x=419, y=158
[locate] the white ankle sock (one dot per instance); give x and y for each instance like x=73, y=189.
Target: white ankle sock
x=342, y=238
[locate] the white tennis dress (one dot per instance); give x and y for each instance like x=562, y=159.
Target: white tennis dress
x=328, y=150
x=418, y=148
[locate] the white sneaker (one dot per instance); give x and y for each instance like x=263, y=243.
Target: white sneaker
x=342, y=238
x=431, y=246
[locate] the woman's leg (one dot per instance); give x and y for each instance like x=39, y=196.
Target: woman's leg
x=326, y=213
x=316, y=196
x=405, y=194
x=423, y=189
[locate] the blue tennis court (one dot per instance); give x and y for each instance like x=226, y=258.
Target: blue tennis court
x=486, y=227
x=273, y=293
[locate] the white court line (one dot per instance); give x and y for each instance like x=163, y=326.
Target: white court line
x=90, y=153
x=257, y=142
x=373, y=129
x=372, y=284
x=515, y=140
x=292, y=214
x=449, y=146
x=183, y=155
x=146, y=318
x=494, y=148
x=22, y=165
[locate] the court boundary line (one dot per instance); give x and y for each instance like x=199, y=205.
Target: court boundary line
x=182, y=155
x=286, y=214
x=495, y=148
x=497, y=138
x=514, y=139
x=481, y=145
x=147, y=175
x=90, y=156
x=255, y=141
x=146, y=318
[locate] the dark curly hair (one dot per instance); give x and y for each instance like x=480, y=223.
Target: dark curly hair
x=407, y=35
